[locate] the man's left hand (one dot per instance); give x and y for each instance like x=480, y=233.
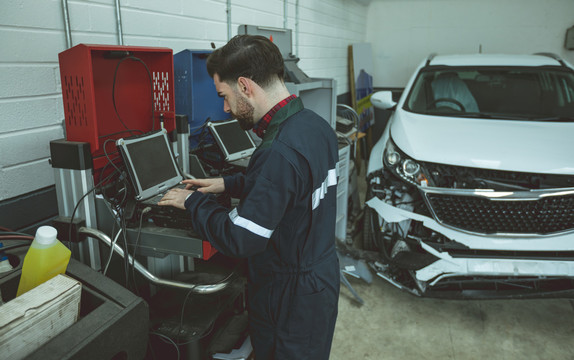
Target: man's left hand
x=175, y=198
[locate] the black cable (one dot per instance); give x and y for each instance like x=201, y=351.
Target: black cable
x=123, y=224
x=7, y=273
x=201, y=127
x=182, y=312
x=111, y=161
x=202, y=134
x=76, y=208
x=227, y=278
x=120, y=132
x=151, y=91
x=114, y=94
x=103, y=171
x=126, y=250
x=119, y=172
x=207, y=332
x=169, y=339
x=11, y=247
x=144, y=211
x=72, y=219
x=116, y=205
x=115, y=202
x=122, y=218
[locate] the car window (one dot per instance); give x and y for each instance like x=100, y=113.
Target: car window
x=519, y=93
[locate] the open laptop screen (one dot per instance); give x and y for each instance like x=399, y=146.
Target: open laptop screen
x=150, y=163
x=235, y=143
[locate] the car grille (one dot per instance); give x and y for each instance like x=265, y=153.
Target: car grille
x=467, y=177
x=483, y=215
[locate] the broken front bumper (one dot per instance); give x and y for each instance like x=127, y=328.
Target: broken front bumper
x=539, y=265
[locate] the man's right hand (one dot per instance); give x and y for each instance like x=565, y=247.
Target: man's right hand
x=206, y=186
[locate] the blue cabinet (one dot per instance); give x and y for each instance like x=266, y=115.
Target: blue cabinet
x=195, y=94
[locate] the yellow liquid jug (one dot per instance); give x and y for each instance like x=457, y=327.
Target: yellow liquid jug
x=46, y=258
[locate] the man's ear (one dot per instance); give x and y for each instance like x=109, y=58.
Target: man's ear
x=245, y=86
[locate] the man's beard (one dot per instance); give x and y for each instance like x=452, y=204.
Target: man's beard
x=244, y=114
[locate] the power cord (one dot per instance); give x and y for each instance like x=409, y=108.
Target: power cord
x=131, y=57
x=126, y=251
x=76, y=208
x=7, y=235
x=163, y=337
x=121, y=132
x=144, y=211
x=111, y=161
x=10, y=232
x=11, y=247
x=208, y=331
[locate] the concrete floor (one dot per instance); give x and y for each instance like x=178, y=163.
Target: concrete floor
x=394, y=324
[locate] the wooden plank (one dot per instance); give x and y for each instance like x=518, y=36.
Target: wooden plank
x=352, y=77
x=35, y=317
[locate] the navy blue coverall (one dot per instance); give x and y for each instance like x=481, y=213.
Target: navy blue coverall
x=285, y=226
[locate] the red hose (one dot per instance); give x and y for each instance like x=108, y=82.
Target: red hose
x=16, y=237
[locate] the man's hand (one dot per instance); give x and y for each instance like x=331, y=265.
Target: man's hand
x=206, y=186
x=175, y=197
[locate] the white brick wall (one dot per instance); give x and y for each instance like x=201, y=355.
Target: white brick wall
x=403, y=33
x=32, y=35
x=30, y=100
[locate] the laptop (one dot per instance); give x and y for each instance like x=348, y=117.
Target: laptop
x=150, y=163
x=196, y=168
x=234, y=142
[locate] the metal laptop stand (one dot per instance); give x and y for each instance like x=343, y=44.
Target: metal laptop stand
x=168, y=251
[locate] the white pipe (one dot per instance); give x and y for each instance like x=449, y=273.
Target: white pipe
x=297, y=28
x=285, y=5
x=119, y=21
x=228, y=20
x=67, y=24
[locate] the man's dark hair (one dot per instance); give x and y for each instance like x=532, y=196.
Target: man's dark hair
x=251, y=56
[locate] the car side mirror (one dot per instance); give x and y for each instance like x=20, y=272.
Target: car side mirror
x=383, y=100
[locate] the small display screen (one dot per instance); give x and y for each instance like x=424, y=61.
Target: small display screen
x=152, y=161
x=233, y=138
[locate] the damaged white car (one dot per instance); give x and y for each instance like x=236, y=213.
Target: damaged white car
x=471, y=186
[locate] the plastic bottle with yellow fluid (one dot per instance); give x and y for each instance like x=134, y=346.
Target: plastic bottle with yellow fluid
x=46, y=258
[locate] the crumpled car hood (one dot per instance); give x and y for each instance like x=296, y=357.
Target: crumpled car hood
x=525, y=146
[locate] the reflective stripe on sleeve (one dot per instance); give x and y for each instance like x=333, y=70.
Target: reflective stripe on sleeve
x=249, y=225
x=322, y=190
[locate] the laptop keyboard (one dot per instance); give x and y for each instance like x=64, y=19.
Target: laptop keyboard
x=155, y=199
x=169, y=216
x=164, y=216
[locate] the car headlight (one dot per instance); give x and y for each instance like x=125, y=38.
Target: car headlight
x=403, y=166
x=393, y=157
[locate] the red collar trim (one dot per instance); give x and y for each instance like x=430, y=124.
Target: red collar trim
x=262, y=124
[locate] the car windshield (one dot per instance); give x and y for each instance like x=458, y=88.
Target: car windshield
x=514, y=93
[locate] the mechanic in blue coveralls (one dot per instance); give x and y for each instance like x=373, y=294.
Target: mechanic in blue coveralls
x=285, y=221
